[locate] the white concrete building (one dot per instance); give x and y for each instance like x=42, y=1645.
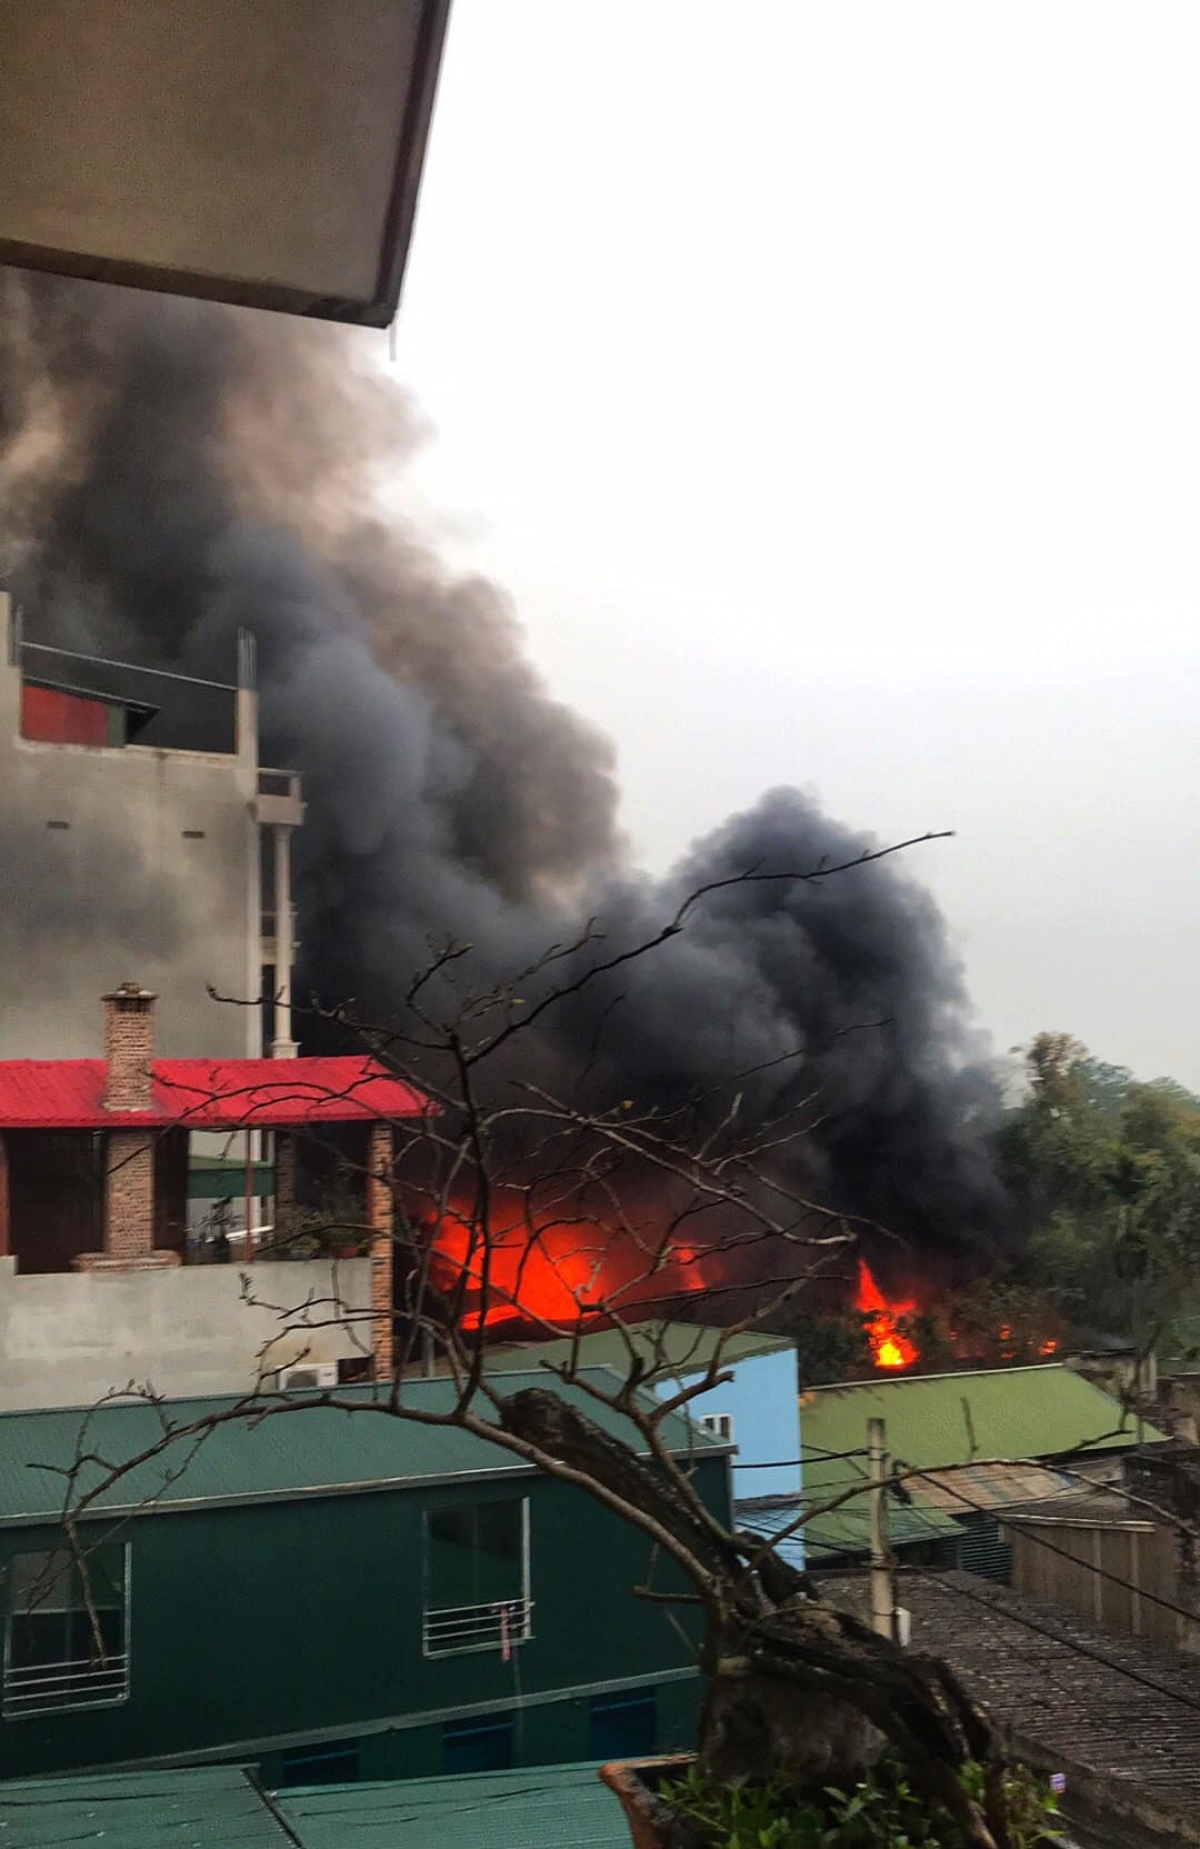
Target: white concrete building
x=121, y=853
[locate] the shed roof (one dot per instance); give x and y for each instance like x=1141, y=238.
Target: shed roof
x=536, y=1807
x=206, y=1094
x=220, y=1807
x=675, y=1348
x=215, y=1807
x=938, y=1419
x=303, y=1448
x=845, y=1530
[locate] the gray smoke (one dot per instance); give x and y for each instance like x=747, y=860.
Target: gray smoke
x=173, y=472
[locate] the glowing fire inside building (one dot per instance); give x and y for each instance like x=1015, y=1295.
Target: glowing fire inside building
x=555, y=1272
x=890, y=1348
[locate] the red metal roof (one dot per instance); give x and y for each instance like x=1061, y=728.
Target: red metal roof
x=205, y=1094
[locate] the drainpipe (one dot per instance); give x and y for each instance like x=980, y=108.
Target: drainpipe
x=283, y=1046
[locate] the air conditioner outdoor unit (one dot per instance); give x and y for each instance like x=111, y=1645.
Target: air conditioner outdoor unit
x=308, y=1374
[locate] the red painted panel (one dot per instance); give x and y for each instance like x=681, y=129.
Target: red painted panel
x=55, y=718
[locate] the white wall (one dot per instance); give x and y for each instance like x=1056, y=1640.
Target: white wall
x=68, y=1338
x=154, y=877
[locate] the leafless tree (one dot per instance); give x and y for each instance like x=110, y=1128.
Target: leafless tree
x=518, y=1197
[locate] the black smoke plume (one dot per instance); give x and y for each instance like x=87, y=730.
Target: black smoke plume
x=172, y=472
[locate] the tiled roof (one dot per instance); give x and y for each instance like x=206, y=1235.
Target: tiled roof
x=1127, y=1711
x=205, y=1094
x=306, y=1449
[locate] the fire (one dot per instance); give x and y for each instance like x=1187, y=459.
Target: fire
x=558, y=1274
x=889, y=1347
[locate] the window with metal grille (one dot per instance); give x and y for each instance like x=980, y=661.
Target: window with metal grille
x=477, y=1577
x=66, y=1633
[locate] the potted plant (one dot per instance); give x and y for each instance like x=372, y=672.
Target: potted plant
x=672, y=1803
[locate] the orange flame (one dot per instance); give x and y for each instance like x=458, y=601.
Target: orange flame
x=559, y=1274
x=889, y=1348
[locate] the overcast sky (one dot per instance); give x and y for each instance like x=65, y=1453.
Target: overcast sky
x=823, y=382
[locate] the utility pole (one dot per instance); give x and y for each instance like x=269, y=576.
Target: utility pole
x=882, y=1600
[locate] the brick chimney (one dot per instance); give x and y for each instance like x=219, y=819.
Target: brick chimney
x=129, y=1183
x=128, y=1047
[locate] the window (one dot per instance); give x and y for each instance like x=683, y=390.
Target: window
x=478, y=1746
x=720, y=1424
x=58, y=1653
x=623, y=1726
x=322, y=1765
x=476, y=1577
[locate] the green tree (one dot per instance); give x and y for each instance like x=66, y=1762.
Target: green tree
x=1104, y=1173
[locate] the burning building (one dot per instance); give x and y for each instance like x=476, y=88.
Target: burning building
x=183, y=473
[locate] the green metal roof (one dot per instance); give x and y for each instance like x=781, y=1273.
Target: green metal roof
x=538, y=1807
x=305, y=1448
x=220, y=1807
x=844, y=1530
x=938, y=1419
x=673, y=1348
x=214, y=1808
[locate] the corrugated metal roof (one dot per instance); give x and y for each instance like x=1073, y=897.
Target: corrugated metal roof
x=768, y=1518
x=844, y=1530
x=993, y=1486
x=205, y=1094
x=938, y=1419
x=537, y=1807
x=303, y=1448
x=212, y=1808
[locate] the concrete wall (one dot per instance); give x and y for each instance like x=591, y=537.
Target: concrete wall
x=126, y=863
x=66, y=1339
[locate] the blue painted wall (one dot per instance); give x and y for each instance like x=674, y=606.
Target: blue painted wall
x=764, y=1402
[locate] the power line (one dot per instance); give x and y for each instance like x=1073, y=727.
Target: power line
x=818, y=1456
x=977, y=1508
x=1040, y=1540
x=1069, y=1643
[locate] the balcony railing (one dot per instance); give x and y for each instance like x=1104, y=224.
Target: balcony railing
x=42, y=1687
x=477, y=1627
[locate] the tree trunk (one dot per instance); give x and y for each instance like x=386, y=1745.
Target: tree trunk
x=798, y=1693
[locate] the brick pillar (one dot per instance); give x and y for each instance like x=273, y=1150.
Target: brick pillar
x=285, y=1178
x=379, y=1216
x=129, y=1196
x=129, y=1160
